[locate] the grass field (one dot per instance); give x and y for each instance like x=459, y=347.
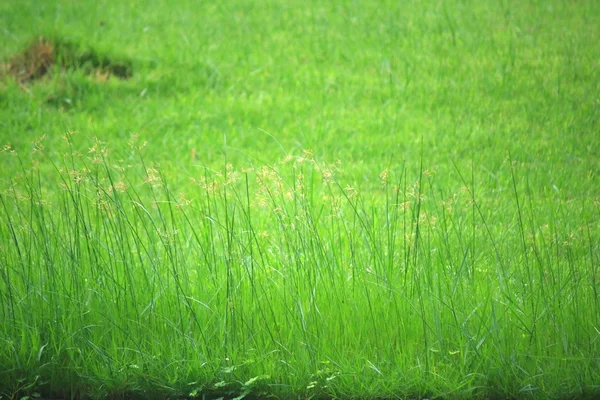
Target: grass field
x=300, y=199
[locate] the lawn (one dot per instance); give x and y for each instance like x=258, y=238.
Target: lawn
x=300, y=199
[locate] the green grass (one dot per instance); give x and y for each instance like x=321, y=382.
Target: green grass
x=302, y=200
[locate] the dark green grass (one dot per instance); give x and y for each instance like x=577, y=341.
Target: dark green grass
x=303, y=200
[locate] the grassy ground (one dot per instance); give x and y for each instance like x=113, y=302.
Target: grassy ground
x=300, y=199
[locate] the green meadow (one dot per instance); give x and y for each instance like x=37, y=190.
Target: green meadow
x=300, y=199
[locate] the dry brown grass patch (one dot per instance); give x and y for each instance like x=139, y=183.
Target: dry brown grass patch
x=40, y=57
x=33, y=63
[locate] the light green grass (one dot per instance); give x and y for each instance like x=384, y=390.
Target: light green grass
x=302, y=200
